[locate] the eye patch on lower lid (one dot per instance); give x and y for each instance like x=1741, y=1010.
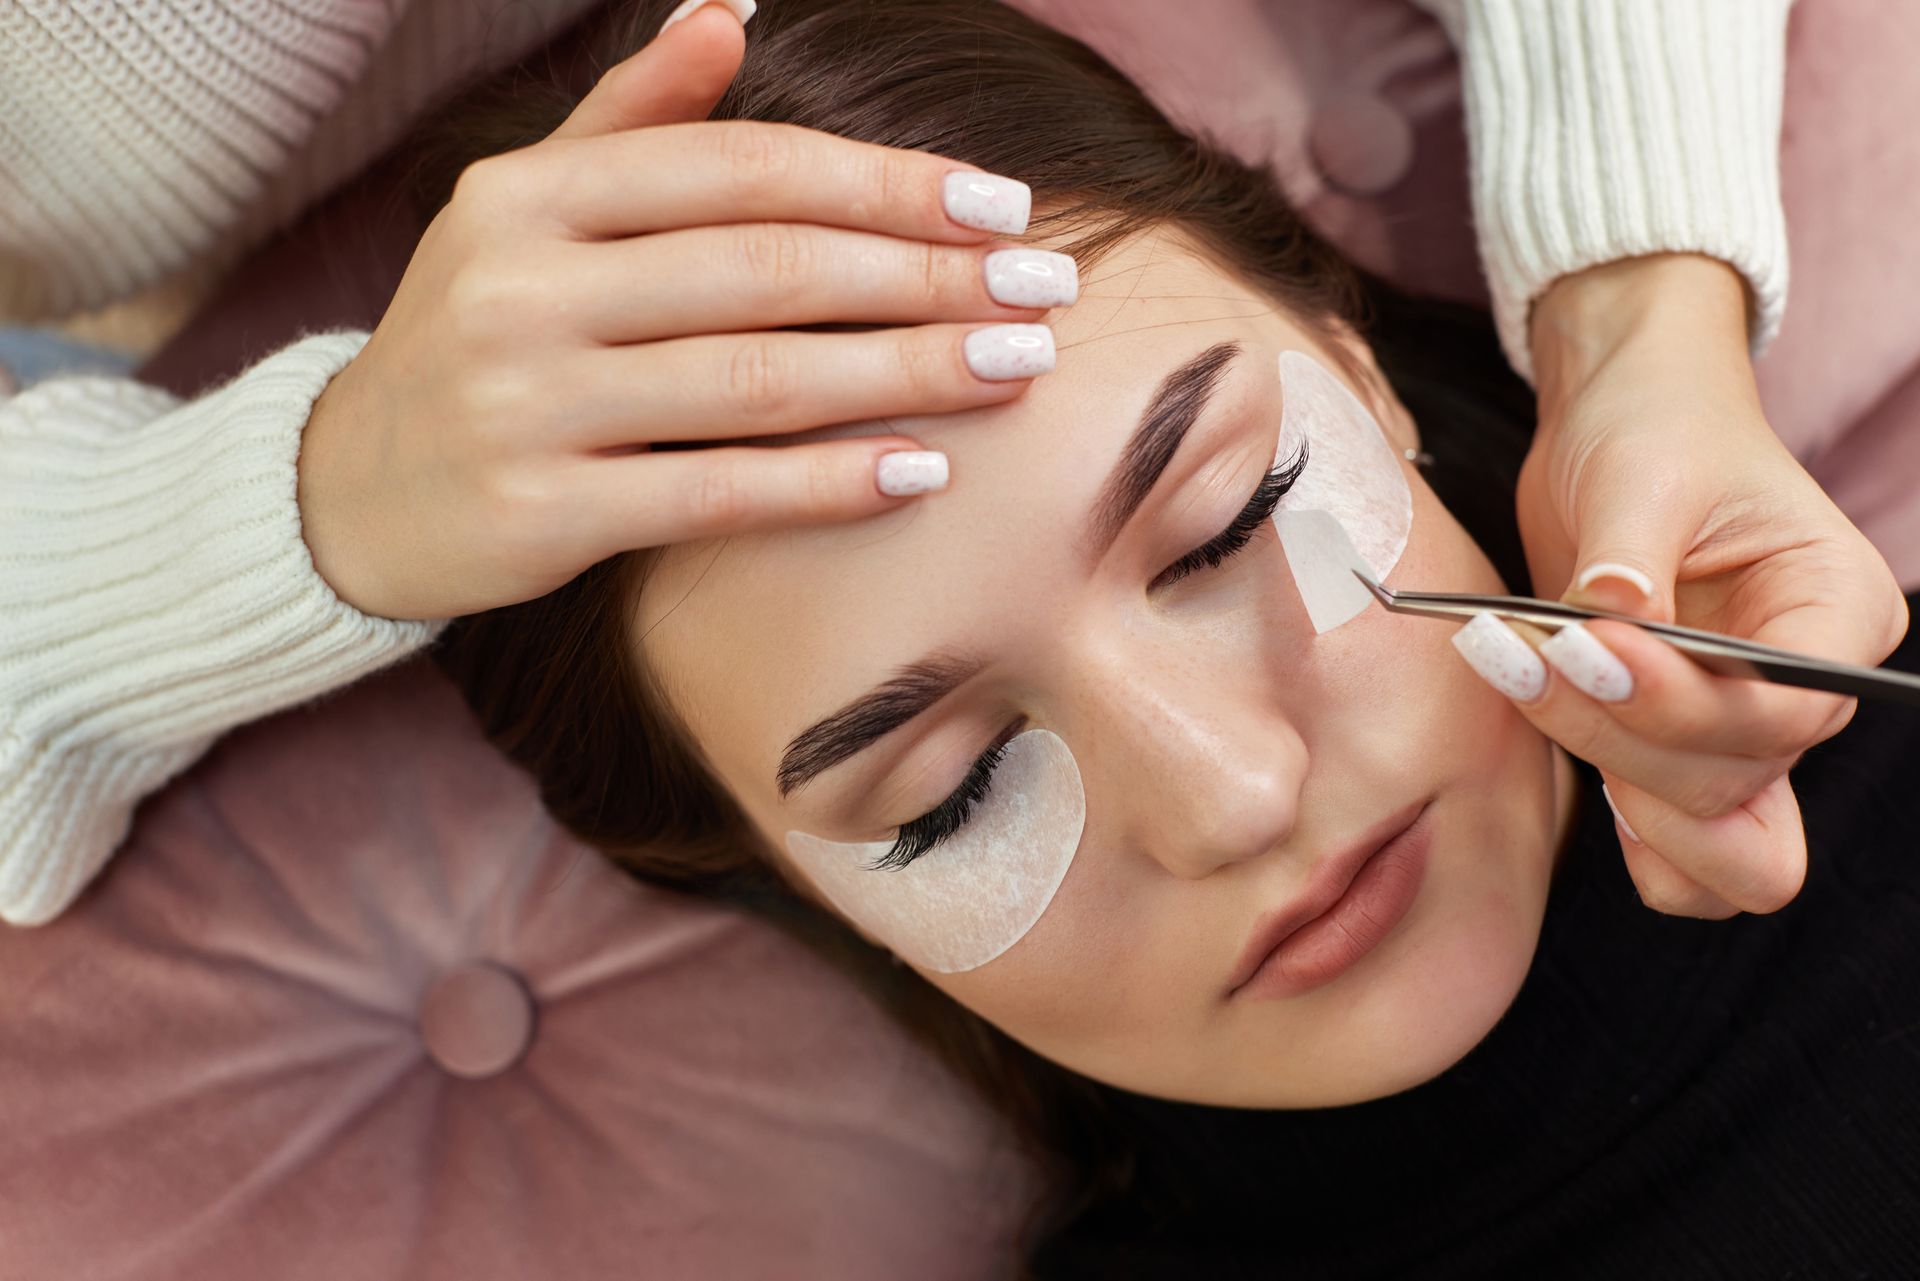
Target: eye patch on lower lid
x=960, y=905
x=1352, y=475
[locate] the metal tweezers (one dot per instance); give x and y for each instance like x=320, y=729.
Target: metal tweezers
x=1724, y=655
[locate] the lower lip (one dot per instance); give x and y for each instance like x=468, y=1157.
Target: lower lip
x=1328, y=945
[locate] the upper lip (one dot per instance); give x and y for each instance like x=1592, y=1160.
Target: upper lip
x=1330, y=880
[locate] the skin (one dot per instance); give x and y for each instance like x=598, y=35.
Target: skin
x=1225, y=749
x=1653, y=453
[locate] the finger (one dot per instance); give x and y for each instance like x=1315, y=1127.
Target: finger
x=1633, y=530
x=731, y=171
x=1753, y=858
x=672, y=79
x=772, y=275
x=1701, y=784
x=714, y=387
x=646, y=500
x=1675, y=702
x=1662, y=886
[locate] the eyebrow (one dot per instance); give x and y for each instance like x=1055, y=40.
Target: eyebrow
x=908, y=692
x=1176, y=405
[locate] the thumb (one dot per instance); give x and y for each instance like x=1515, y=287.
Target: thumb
x=675, y=78
x=1628, y=557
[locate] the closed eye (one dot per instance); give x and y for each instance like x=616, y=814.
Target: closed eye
x=950, y=815
x=1266, y=498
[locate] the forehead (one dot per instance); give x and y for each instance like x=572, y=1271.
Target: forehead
x=754, y=637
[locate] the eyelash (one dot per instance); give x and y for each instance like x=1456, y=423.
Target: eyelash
x=949, y=816
x=946, y=818
x=1266, y=497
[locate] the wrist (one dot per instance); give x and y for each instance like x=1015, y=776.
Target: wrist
x=1672, y=309
x=314, y=491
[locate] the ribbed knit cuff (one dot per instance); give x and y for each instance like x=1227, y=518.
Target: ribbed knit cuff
x=155, y=591
x=1605, y=129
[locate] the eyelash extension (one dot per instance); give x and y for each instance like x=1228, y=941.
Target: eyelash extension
x=1266, y=497
x=946, y=818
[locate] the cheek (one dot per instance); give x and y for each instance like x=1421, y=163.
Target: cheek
x=1109, y=982
x=968, y=900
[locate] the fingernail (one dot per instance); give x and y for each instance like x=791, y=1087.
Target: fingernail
x=1633, y=578
x=1502, y=659
x=1032, y=278
x=1620, y=818
x=1002, y=352
x=911, y=471
x=987, y=201
x=742, y=9
x=1578, y=655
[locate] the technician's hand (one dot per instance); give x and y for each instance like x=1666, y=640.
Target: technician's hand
x=1654, y=468
x=629, y=281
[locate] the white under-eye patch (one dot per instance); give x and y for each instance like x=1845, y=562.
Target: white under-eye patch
x=977, y=893
x=1352, y=476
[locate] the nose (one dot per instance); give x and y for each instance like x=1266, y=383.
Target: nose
x=1200, y=770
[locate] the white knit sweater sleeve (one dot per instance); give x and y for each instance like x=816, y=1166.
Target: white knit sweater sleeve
x=1604, y=129
x=137, y=139
x=155, y=592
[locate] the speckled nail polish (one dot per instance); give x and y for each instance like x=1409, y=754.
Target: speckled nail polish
x=1578, y=655
x=1502, y=659
x=999, y=353
x=987, y=201
x=1032, y=278
x=911, y=471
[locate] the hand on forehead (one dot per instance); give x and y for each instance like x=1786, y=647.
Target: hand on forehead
x=1148, y=304
x=1023, y=475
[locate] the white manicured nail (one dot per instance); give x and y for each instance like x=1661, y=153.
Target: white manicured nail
x=911, y=471
x=1503, y=660
x=1611, y=569
x=987, y=201
x=1620, y=818
x=1002, y=352
x=1578, y=655
x=742, y=9
x=1032, y=278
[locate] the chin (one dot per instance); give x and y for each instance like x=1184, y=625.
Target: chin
x=1431, y=991
x=1468, y=973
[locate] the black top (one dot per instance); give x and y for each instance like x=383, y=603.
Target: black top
x=1666, y=1097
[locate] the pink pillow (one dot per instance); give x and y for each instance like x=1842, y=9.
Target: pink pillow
x=349, y=1004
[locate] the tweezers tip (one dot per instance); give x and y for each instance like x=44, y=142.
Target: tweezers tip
x=1381, y=594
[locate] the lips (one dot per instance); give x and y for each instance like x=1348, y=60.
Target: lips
x=1331, y=879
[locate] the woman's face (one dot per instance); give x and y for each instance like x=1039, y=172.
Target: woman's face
x=1222, y=749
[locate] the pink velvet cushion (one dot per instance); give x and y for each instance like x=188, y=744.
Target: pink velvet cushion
x=348, y=1004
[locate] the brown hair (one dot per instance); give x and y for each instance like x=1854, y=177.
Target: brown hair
x=551, y=679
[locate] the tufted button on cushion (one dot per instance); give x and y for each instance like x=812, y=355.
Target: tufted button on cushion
x=476, y=1020
x=348, y=1003
x=1361, y=142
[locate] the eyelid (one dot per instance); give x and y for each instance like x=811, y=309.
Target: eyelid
x=1225, y=543
x=902, y=840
